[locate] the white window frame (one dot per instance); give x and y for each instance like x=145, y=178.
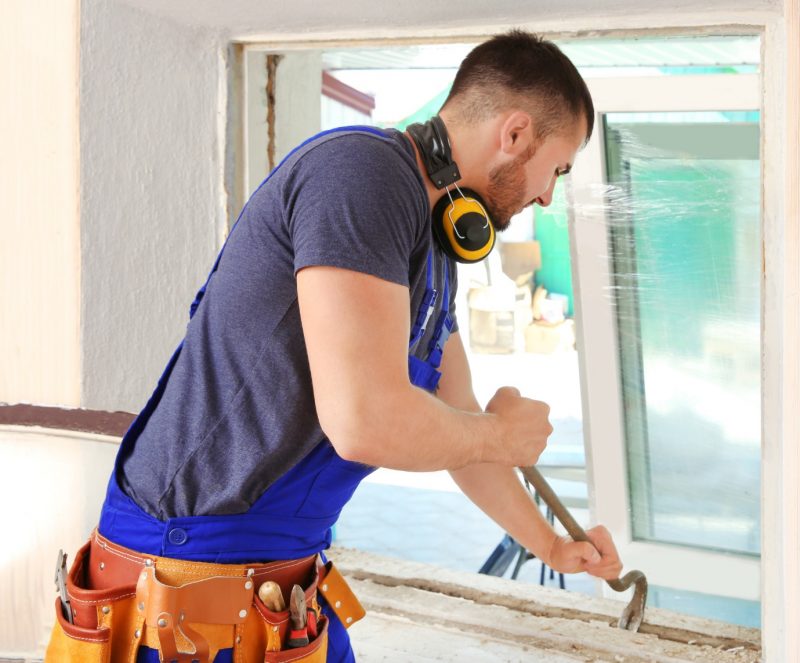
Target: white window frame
x=677, y=567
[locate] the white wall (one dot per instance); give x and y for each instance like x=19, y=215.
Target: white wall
x=39, y=250
x=256, y=130
x=71, y=471
x=152, y=195
x=153, y=79
x=298, y=112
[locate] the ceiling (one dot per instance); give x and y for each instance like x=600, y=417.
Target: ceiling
x=248, y=19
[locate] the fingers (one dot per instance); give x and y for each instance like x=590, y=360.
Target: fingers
x=508, y=391
x=589, y=554
x=598, y=558
x=523, y=427
x=609, y=565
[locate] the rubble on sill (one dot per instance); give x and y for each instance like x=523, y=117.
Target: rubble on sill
x=419, y=612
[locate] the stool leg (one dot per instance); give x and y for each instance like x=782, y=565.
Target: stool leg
x=523, y=557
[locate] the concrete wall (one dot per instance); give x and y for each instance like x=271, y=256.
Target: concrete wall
x=152, y=195
x=40, y=251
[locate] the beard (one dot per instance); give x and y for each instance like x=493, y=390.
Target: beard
x=503, y=195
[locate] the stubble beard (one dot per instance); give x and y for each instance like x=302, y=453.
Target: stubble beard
x=503, y=196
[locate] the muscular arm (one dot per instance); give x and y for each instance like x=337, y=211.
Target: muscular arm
x=495, y=489
x=356, y=329
x=498, y=492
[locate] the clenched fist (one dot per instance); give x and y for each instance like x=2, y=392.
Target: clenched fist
x=598, y=558
x=522, y=426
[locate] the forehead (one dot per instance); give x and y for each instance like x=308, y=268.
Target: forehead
x=567, y=142
x=560, y=148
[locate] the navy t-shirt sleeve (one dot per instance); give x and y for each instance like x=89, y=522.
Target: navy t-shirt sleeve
x=356, y=207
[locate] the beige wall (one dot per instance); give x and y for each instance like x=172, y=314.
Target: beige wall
x=39, y=216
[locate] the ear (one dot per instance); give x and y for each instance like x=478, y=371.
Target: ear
x=516, y=133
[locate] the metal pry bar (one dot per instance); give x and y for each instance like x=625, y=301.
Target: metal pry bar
x=633, y=614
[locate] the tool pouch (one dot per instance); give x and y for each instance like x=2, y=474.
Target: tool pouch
x=69, y=642
x=277, y=626
x=335, y=591
x=94, y=612
x=189, y=611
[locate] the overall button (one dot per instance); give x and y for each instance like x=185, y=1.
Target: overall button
x=177, y=536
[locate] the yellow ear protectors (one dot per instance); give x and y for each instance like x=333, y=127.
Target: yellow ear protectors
x=461, y=223
x=462, y=226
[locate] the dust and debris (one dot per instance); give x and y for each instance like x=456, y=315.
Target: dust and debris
x=421, y=607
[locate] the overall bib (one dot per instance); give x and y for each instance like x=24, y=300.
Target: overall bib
x=291, y=520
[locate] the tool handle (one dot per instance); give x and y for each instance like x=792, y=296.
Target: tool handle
x=544, y=491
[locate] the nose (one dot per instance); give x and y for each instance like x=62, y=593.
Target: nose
x=546, y=198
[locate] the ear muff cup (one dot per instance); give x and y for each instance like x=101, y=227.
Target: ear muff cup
x=468, y=214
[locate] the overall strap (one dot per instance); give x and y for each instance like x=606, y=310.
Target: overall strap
x=424, y=373
x=444, y=325
x=426, y=307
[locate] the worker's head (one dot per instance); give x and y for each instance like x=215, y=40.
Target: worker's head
x=534, y=112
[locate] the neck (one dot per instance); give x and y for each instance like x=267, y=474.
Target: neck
x=471, y=151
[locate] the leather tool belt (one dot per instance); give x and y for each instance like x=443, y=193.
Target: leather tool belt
x=121, y=599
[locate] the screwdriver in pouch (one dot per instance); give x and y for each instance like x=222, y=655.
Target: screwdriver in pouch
x=271, y=596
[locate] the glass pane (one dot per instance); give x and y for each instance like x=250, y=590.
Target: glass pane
x=686, y=256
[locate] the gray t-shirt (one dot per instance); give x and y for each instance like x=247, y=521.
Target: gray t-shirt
x=238, y=410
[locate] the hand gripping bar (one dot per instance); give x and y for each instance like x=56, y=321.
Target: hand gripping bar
x=633, y=614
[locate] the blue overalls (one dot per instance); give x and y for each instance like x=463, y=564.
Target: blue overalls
x=322, y=483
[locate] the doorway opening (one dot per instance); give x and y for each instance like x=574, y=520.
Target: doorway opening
x=631, y=305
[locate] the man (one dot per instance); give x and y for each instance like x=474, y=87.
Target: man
x=319, y=350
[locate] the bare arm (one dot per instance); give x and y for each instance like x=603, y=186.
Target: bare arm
x=356, y=329
x=498, y=492
x=494, y=488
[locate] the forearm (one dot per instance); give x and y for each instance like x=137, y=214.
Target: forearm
x=499, y=493
x=495, y=489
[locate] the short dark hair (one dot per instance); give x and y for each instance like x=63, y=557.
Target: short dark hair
x=521, y=69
